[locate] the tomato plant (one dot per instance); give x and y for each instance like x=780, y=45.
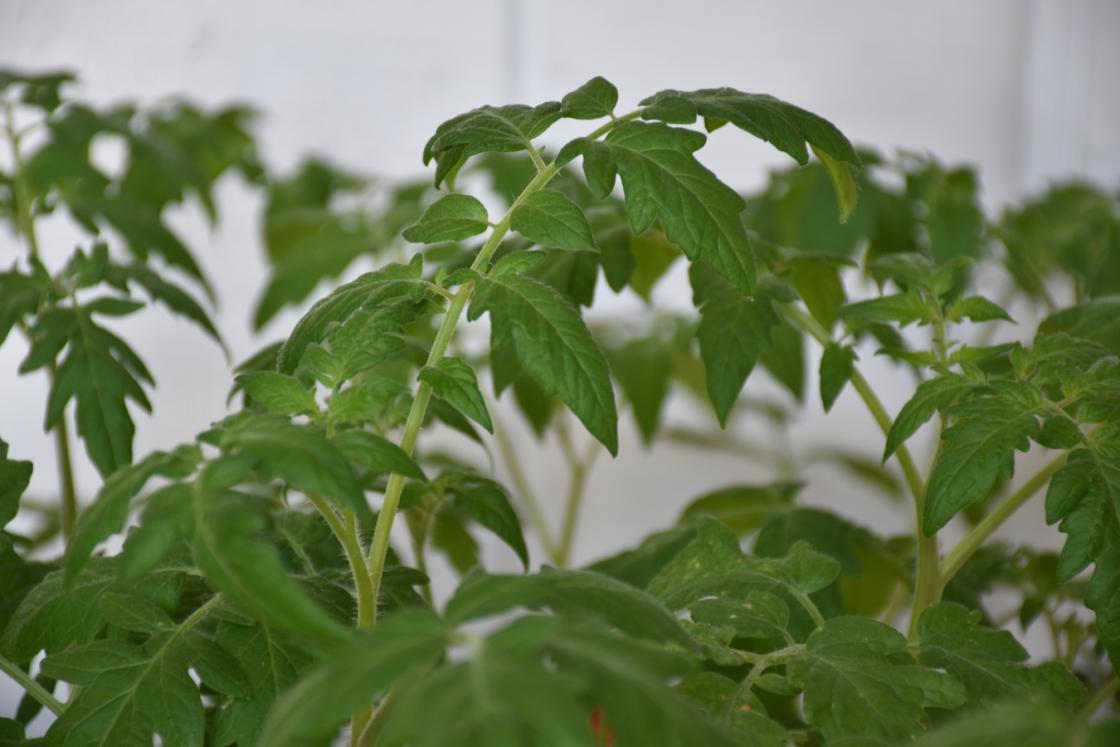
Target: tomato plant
x=247, y=588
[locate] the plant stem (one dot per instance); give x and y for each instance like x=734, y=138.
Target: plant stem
x=524, y=488
x=926, y=586
x=1107, y=692
x=69, y=508
x=579, y=467
x=960, y=554
x=379, y=547
x=33, y=688
x=416, y=414
x=347, y=535
x=25, y=223
x=765, y=662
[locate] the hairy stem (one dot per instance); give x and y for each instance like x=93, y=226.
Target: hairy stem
x=347, y=535
x=972, y=542
x=926, y=586
x=33, y=688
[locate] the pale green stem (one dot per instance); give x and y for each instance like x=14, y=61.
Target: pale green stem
x=1098, y=699
x=25, y=222
x=33, y=688
x=926, y=586
x=765, y=662
x=379, y=547
x=579, y=467
x=524, y=488
x=347, y=535
x=972, y=542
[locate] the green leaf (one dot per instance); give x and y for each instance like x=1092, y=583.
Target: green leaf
x=100, y=370
x=785, y=360
x=843, y=180
x=643, y=369
x=758, y=614
x=713, y=565
x=504, y=696
x=854, y=689
x=271, y=665
x=1097, y=320
x=300, y=455
x=836, y=369
x=109, y=511
x=170, y=295
x=553, y=346
x=818, y=283
x=453, y=380
x=901, y=308
x=573, y=274
x=279, y=394
x=129, y=695
x=453, y=217
x=1085, y=497
x=734, y=330
x=664, y=183
x=786, y=126
x=229, y=550
x=15, y=476
x=488, y=129
x=376, y=453
x=989, y=662
x=55, y=614
x=595, y=99
x=578, y=594
x=652, y=255
x=485, y=501
x=725, y=702
x=639, y=565
x=20, y=296
x=389, y=285
x=744, y=508
x=978, y=450
x=1024, y=724
x=627, y=677
x=930, y=397
x=313, y=709
x=977, y=309
x=551, y=219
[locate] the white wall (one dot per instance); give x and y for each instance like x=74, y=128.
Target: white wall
x=1026, y=91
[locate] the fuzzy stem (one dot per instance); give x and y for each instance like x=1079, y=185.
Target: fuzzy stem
x=972, y=542
x=33, y=688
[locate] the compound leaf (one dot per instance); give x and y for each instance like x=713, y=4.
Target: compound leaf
x=553, y=346
x=453, y=217
x=551, y=219
x=453, y=380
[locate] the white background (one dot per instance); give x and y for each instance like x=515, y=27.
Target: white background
x=1026, y=91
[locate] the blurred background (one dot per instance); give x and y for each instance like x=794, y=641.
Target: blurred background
x=1025, y=92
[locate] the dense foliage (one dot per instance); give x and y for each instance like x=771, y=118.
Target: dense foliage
x=256, y=597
